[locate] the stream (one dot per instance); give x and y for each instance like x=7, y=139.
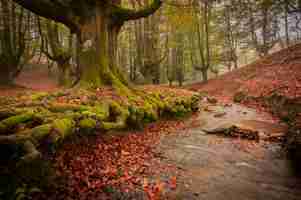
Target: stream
x=215, y=167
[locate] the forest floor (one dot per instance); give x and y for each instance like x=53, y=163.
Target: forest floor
x=178, y=159
x=36, y=79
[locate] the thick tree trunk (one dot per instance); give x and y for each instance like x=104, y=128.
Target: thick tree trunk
x=99, y=51
x=97, y=24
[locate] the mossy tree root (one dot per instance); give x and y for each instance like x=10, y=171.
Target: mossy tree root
x=58, y=121
x=119, y=117
x=7, y=124
x=30, y=140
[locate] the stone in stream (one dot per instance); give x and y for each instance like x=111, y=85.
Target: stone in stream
x=250, y=129
x=212, y=100
x=218, y=115
x=234, y=130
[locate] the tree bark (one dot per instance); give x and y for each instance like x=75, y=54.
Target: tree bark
x=98, y=55
x=58, y=53
x=97, y=24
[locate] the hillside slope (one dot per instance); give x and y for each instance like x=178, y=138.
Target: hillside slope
x=271, y=84
x=277, y=73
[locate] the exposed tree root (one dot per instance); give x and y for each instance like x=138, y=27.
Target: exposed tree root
x=48, y=120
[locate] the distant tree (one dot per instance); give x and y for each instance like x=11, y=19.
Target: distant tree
x=202, y=11
x=15, y=40
x=56, y=44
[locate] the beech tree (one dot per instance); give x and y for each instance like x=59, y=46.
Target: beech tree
x=15, y=40
x=57, y=46
x=96, y=24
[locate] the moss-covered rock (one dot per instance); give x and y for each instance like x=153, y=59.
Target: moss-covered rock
x=87, y=126
x=38, y=96
x=39, y=133
x=118, y=116
x=240, y=97
x=61, y=129
x=180, y=111
x=150, y=115
x=9, y=123
x=101, y=112
x=135, y=119
x=48, y=119
x=64, y=107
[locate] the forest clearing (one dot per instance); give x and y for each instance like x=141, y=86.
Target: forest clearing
x=150, y=100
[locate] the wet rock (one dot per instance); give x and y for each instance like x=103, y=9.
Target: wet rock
x=212, y=100
x=250, y=129
x=218, y=115
x=208, y=109
x=235, y=130
x=239, y=97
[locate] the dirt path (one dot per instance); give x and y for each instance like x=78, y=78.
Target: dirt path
x=213, y=167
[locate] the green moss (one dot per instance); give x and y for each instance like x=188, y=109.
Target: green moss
x=11, y=122
x=40, y=132
x=88, y=113
x=60, y=93
x=91, y=74
x=179, y=111
x=102, y=111
x=120, y=116
x=42, y=115
x=87, y=125
x=38, y=96
x=195, y=102
x=63, y=107
x=99, y=112
x=62, y=129
x=180, y=106
x=239, y=97
x=119, y=124
x=156, y=99
x=116, y=109
x=136, y=117
x=150, y=114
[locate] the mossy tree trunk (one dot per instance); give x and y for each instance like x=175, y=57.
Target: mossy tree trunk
x=57, y=49
x=97, y=24
x=98, y=39
x=61, y=54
